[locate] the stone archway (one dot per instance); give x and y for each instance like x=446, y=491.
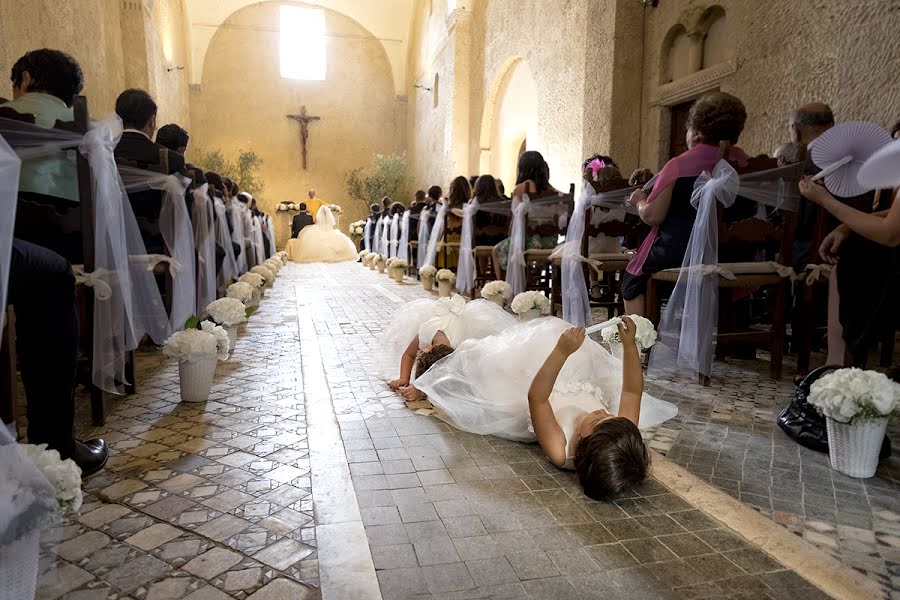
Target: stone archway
x=510, y=120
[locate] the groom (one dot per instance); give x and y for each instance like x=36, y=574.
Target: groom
x=300, y=221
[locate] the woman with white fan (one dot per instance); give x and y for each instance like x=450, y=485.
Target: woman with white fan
x=857, y=157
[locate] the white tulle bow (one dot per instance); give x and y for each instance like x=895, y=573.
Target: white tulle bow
x=95, y=280
x=454, y=305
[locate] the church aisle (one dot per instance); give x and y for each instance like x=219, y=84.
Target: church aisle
x=303, y=470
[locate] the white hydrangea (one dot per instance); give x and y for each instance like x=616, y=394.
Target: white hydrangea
x=192, y=344
x=495, y=289
x=399, y=263
x=852, y=394
x=378, y=259
x=241, y=291
x=363, y=253
x=63, y=475
x=645, y=336
x=427, y=272
x=389, y=262
x=264, y=272
x=357, y=229
x=446, y=275
x=526, y=301
x=227, y=311
x=223, y=344
x=336, y=209
x=273, y=266
x=254, y=279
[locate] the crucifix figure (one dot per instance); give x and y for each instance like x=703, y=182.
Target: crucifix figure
x=304, y=121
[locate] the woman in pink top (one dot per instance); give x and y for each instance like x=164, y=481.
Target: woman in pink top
x=715, y=120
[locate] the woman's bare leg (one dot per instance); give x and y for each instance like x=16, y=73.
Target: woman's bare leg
x=636, y=306
x=836, y=346
x=495, y=256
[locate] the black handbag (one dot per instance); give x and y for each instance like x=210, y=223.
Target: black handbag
x=802, y=422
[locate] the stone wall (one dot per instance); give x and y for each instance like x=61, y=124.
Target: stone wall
x=243, y=103
x=96, y=33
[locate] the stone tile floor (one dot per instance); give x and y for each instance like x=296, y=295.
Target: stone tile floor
x=217, y=501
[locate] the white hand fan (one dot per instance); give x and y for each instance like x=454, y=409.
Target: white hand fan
x=603, y=325
x=882, y=170
x=842, y=150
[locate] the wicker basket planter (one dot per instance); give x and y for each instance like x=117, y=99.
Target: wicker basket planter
x=196, y=378
x=853, y=448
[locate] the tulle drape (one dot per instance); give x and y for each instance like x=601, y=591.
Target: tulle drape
x=465, y=271
x=270, y=234
x=576, y=303
x=26, y=497
x=376, y=241
x=237, y=235
x=435, y=235
x=386, y=237
x=203, y=221
x=175, y=227
x=423, y=237
x=688, y=325
x=367, y=236
x=403, y=250
x=9, y=187
x=515, y=271
x=229, y=270
x=259, y=247
x=395, y=235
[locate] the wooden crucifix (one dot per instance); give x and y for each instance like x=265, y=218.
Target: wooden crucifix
x=304, y=121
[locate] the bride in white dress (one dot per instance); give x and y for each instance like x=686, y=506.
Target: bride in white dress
x=545, y=381
x=323, y=242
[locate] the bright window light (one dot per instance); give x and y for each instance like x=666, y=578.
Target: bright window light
x=451, y=6
x=302, y=43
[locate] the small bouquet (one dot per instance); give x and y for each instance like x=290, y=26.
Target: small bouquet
x=530, y=305
x=645, y=336
x=427, y=272
x=852, y=395
x=254, y=279
x=227, y=312
x=286, y=207
x=336, y=210
x=495, y=291
x=264, y=272
x=357, y=229
x=63, y=475
x=194, y=344
x=240, y=291
x=446, y=275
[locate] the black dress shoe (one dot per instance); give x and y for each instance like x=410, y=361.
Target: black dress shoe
x=90, y=455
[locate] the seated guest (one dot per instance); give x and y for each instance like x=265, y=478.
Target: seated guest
x=44, y=84
x=42, y=290
x=714, y=125
x=895, y=131
x=137, y=110
x=434, y=195
x=533, y=178
x=301, y=220
x=386, y=206
x=501, y=189
x=640, y=177
x=485, y=189
x=788, y=154
x=173, y=137
x=419, y=199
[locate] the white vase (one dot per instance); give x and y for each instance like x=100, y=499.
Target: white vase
x=428, y=283
x=444, y=288
x=397, y=274
x=381, y=267
x=197, y=378
x=498, y=300
x=19, y=567
x=232, y=336
x=530, y=314
x=853, y=448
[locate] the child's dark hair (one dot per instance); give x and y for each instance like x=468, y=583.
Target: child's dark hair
x=425, y=359
x=612, y=459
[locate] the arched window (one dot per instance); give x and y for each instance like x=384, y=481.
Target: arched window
x=302, y=43
x=675, y=59
x=717, y=46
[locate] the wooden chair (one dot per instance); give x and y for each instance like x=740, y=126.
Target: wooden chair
x=737, y=240
x=540, y=271
x=67, y=228
x=489, y=229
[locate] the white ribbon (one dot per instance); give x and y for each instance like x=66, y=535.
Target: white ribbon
x=96, y=280
x=465, y=272
x=454, y=305
x=515, y=268
x=174, y=266
x=817, y=273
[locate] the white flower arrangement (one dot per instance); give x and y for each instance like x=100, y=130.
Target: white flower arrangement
x=357, y=229
x=398, y=263
x=446, y=275
x=254, y=279
x=363, y=253
x=645, y=336
x=495, y=289
x=853, y=395
x=526, y=301
x=63, y=475
x=427, y=272
x=264, y=272
x=283, y=256
x=193, y=344
x=389, y=262
x=273, y=265
x=336, y=209
x=240, y=291
x=378, y=259
x=227, y=312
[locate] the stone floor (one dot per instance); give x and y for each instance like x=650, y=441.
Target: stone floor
x=304, y=477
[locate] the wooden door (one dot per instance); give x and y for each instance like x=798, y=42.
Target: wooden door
x=678, y=128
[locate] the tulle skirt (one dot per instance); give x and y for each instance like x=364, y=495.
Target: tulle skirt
x=483, y=386
x=321, y=244
x=479, y=319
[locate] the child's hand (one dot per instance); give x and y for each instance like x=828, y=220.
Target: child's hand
x=627, y=332
x=411, y=394
x=397, y=384
x=570, y=340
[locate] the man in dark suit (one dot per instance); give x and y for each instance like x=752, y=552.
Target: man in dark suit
x=300, y=221
x=137, y=110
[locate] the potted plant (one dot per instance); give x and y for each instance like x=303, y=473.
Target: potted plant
x=266, y=273
x=530, y=305
x=426, y=274
x=197, y=350
x=364, y=257
x=495, y=292
x=228, y=313
x=857, y=406
x=41, y=488
x=446, y=279
x=644, y=337
x=257, y=282
x=398, y=269
x=244, y=292
x=379, y=262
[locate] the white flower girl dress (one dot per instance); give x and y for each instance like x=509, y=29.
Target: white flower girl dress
x=483, y=386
